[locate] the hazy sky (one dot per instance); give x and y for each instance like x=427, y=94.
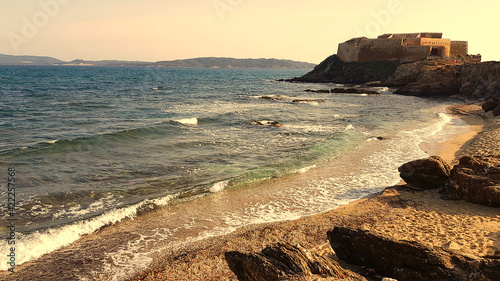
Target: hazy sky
x=153, y=30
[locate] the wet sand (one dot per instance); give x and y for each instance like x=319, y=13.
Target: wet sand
x=397, y=213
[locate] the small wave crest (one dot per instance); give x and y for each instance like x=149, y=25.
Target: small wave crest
x=219, y=186
x=187, y=121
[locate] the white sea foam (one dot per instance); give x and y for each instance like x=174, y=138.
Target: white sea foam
x=188, y=121
x=219, y=186
x=34, y=245
x=305, y=169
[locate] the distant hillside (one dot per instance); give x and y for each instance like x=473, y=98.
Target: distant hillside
x=196, y=62
x=235, y=63
x=24, y=60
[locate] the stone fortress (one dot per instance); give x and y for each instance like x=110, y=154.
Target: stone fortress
x=405, y=47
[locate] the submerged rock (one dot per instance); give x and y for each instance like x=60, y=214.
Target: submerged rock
x=307, y=101
x=404, y=260
x=286, y=262
x=427, y=173
x=317, y=91
x=267, y=123
x=354, y=91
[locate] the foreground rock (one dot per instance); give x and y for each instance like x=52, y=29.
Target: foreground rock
x=475, y=180
x=286, y=262
x=410, y=261
x=427, y=173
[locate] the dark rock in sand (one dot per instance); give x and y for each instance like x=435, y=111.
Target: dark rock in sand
x=286, y=262
x=496, y=111
x=490, y=104
x=427, y=173
x=474, y=180
x=404, y=260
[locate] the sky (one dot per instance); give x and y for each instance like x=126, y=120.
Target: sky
x=155, y=30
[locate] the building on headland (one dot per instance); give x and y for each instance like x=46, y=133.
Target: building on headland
x=404, y=47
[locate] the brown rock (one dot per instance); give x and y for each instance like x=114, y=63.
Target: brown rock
x=286, y=262
x=427, y=173
x=476, y=181
x=405, y=260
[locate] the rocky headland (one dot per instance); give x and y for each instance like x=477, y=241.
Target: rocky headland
x=432, y=77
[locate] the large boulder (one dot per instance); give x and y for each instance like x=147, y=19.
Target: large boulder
x=286, y=262
x=410, y=261
x=427, y=173
x=475, y=180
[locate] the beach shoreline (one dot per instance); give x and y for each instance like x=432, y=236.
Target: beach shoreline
x=397, y=212
x=204, y=259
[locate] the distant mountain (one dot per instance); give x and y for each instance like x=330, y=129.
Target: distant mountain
x=235, y=63
x=26, y=60
x=207, y=62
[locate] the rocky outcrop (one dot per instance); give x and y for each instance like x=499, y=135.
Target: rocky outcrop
x=286, y=262
x=427, y=173
x=480, y=81
x=410, y=261
x=334, y=70
x=475, y=180
x=430, y=78
x=426, y=78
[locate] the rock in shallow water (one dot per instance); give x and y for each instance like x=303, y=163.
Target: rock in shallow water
x=427, y=173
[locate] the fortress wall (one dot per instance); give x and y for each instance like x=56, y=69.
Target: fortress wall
x=414, y=53
x=390, y=49
x=435, y=42
x=347, y=51
x=459, y=48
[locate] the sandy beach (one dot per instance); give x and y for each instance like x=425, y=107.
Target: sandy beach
x=398, y=213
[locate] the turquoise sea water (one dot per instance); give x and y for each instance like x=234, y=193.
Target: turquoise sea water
x=88, y=141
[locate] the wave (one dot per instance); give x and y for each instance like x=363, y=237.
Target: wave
x=36, y=244
x=187, y=121
x=219, y=186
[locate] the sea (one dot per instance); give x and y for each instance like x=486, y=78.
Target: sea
x=94, y=146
